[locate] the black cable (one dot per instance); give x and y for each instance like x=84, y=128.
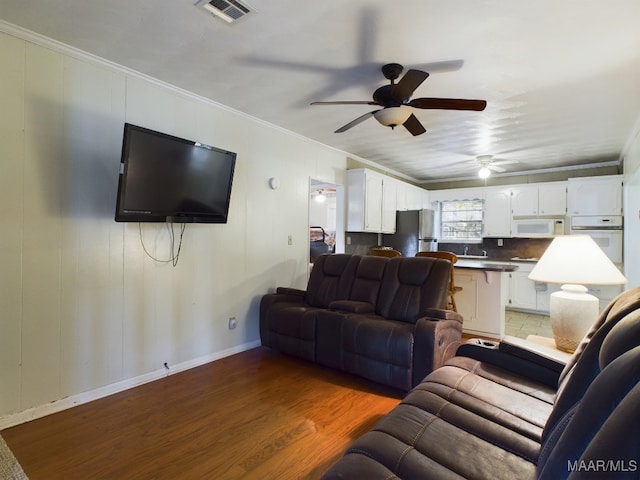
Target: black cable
x=174, y=255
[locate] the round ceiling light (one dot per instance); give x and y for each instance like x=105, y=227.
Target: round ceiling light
x=393, y=116
x=484, y=172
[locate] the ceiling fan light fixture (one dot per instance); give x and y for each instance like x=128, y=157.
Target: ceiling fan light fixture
x=393, y=116
x=484, y=172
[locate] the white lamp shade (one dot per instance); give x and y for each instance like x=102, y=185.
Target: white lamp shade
x=393, y=116
x=576, y=259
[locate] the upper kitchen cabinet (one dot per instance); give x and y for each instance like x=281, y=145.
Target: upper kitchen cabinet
x=497, y=212
x=595, y=195
x=411, y=197
x=371, y=202
x=541, y=199
x=552, y=198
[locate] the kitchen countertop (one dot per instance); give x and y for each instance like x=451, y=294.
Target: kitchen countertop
x=489, y=265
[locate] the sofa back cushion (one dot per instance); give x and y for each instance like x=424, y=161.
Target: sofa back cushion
x=600, y=432
x=331, y=279
x=585, y=364
x=411, y=285
x=368, y=279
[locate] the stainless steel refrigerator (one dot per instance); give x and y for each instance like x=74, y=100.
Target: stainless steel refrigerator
x=415, y=232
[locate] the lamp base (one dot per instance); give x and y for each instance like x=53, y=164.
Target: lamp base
x=573, y=311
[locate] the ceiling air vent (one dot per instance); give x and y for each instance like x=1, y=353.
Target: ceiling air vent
x=228, y=10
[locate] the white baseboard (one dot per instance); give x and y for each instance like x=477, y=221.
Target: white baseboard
x=85, y=397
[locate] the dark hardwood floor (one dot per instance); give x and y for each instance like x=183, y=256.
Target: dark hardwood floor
x=255, y=415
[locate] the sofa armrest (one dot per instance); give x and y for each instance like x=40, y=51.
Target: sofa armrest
x=534, y=351
x=351, y=306
x=290, y=291
x=519, y=357
x=436, y=339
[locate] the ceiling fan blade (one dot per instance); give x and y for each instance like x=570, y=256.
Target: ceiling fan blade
x=405, y=87
x=355, y=122
x=503, y=162
x=448, y=104
x=347, y=102
x=414, y=126
x=496, y=169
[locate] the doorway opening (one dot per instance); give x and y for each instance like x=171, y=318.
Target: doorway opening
x=326, y=218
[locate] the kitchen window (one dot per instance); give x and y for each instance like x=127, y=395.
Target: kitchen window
x=461, y=221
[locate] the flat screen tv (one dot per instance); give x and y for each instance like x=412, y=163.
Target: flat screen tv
x=169, y=179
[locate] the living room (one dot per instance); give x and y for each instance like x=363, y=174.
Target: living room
x=86, y=312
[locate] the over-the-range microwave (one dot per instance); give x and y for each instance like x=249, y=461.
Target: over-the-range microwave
x=537, y=227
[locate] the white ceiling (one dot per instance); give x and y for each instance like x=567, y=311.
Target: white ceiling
x=561, y=77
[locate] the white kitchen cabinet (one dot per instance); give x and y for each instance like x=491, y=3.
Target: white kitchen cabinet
x=522, y=292
x=388, y=205
x=497, y=212
x=539, y=199
x=528, y=295
x=595, y=195
x=552, y=198
x=524, y=200
x=411, y=197
x=371, y=202
x=482, y=301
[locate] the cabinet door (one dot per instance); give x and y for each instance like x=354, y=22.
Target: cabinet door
x=595, y=195
x=552, y=198
x=388, y=204
x=372, y=203
x=524, y=200
x=364, y=201
x=544, y=291
x=497, y=212
x=522, y=291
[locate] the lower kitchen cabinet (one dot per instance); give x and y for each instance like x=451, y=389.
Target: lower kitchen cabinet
x=525, y=294
x=482, y=301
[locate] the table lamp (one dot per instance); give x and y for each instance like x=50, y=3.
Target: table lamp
x=574, y=261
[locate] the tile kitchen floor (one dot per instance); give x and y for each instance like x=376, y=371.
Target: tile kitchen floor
x=519, y=324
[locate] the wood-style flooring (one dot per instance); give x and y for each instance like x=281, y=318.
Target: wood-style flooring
x=254, y=415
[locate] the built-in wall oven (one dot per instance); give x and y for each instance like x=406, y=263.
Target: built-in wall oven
x=606, y=231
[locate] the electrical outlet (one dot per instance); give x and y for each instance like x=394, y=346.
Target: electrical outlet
x=233, y=323
x=500, y=242
x=348, y=240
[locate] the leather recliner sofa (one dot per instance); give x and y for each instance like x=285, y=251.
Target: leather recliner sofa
x=376, y=317
x=509, y=410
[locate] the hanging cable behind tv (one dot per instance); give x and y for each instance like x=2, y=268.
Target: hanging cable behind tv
x=174, y=253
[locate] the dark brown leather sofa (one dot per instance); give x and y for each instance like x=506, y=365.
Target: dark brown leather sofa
x=507, y=411
x=376, y=317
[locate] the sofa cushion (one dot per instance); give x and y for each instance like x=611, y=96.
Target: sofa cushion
x=411, y=286
x=509, y=400
x=378, y=349
x=331, y=279
x=411, y=442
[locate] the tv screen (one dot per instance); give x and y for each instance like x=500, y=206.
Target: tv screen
x=169, y=179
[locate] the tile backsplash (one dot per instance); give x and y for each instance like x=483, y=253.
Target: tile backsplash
x=511, y=247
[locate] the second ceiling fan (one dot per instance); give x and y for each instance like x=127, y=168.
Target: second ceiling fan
x=396, y=103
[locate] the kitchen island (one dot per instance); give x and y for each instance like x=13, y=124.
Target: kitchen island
x=484, y=295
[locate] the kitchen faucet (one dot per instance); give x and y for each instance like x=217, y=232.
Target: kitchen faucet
x=466, y=249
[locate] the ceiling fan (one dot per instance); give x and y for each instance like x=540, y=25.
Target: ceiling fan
x=488, y=164
x=396, y=103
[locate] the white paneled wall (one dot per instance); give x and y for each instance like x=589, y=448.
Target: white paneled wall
x=83, y=308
